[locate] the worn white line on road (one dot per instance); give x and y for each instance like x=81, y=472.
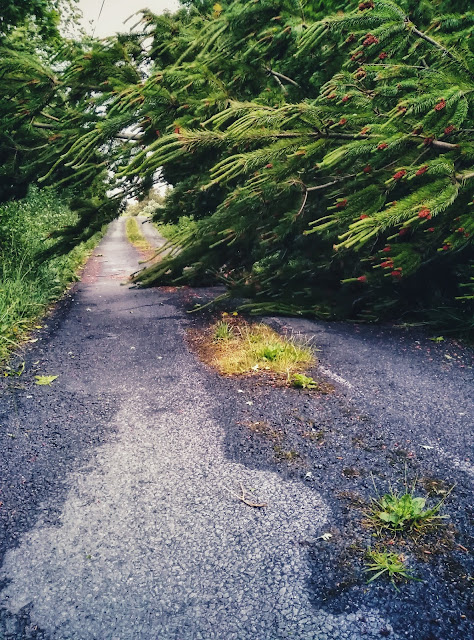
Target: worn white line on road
x=335, y=377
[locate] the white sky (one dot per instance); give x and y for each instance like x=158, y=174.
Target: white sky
x=116, y=11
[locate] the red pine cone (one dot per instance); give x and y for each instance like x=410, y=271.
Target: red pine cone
x=441, y=105
x=425, y=213
x=370, y=39
x=399, y=175
x=422, y=170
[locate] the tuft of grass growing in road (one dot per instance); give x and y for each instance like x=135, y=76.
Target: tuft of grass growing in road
x=300, y=381
x=29, y=281
x=386, y=563
x=241, y=347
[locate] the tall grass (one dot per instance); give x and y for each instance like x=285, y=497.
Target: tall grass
x=29, y=282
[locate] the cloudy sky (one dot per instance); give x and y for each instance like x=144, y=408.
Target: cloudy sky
x=116, y=11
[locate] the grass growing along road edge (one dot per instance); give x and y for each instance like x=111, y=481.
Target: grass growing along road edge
x=29, y=282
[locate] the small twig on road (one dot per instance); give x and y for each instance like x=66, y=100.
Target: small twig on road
x=245, y=499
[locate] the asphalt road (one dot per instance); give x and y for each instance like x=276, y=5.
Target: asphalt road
x=117, y=516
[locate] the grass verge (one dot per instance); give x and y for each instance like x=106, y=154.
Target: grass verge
x=137, y=239
x=29, y=283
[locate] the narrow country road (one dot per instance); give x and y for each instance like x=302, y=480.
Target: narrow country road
x=117, y=518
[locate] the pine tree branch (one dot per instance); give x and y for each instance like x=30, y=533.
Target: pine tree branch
x=324, y=186
x=465, y=176
x=280, y=76
x=42, y=125
x=437, y=45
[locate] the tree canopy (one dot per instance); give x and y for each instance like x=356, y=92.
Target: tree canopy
x=325, y=150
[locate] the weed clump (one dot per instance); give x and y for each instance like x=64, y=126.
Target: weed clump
x=387, y=563
x=239, y=347
x=404, y=512
x=300, y=381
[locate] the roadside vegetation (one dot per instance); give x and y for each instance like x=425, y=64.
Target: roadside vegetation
x=234, y=346
x=135, y=235
x=322, y=151
x=32, y=274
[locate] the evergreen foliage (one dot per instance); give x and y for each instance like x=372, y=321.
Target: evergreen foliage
x=325, y=151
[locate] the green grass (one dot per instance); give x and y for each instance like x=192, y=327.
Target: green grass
x=300, y=381
x=29, y=281
x=386, y=563
x=223, y=331
x=169, y=231
x=240, y=347
x=135, y=235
